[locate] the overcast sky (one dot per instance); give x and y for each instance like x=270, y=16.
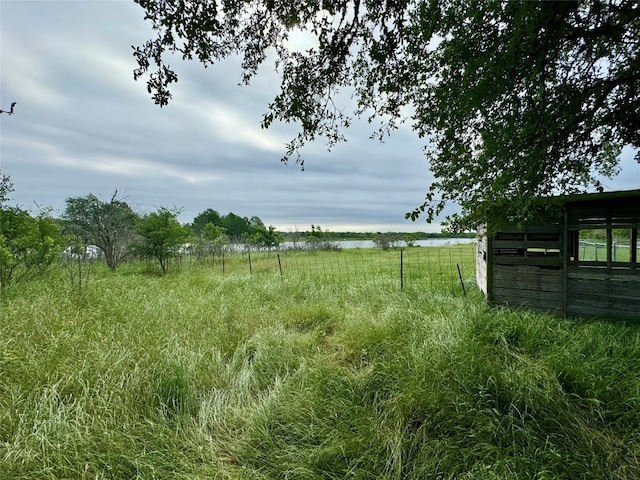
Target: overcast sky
x=83, y=125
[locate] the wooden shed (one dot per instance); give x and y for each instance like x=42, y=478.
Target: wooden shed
x=582, y=262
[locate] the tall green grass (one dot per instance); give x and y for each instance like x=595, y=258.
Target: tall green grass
x=418, y=267
x=199, y=375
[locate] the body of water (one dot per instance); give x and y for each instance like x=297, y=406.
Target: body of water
x=431, y=242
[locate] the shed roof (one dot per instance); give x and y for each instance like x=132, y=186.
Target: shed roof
x=591, y=197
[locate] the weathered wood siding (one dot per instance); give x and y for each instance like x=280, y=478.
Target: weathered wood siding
x=603, y=293
x=527, y=268
x=604, y=288
x=482, y=256
x=527, y=285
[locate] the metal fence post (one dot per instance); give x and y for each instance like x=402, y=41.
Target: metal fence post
x=461, y=281
x=401, y=270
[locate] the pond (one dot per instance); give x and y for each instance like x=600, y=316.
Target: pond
x=431, y=242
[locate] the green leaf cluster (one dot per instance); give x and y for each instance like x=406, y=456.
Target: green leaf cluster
x=160, y=236
x=211, y=225
x=28, y=245
x=110, y=226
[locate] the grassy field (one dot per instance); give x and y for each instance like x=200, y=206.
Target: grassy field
x=418, y=267
x=197, y=375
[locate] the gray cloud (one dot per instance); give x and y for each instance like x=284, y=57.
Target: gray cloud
x=82, y=125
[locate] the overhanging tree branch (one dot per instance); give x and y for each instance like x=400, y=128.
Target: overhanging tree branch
x=516, y=100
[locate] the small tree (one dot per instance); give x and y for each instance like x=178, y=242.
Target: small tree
x=76, y=257
x=161, y=235
x=110, y=226
x=294, y=237
x=263, y=237
x=316, y=239
x=411, y=238
x=212, y=232
x=210, y=241
x=385, y=240
x=28, y=245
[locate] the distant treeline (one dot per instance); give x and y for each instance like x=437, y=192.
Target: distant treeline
x=357, y=236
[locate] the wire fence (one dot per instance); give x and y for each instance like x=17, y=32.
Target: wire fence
x=597, y=251
x=448, y=268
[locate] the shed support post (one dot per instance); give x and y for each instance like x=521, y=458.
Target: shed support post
x=565, y=260
x=489, y=268
x=609, y=245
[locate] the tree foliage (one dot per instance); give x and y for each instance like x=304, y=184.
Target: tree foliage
x=263, y=237
x=212, y=240
x=515, y=99
x=212, y=232
x=318, y=239
x=6, y=187
x=202, y=219
x=235, y=226
x=160, y=236
x=385, y=240
x=110, y=226
x=29, y=245
x=210, y=225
